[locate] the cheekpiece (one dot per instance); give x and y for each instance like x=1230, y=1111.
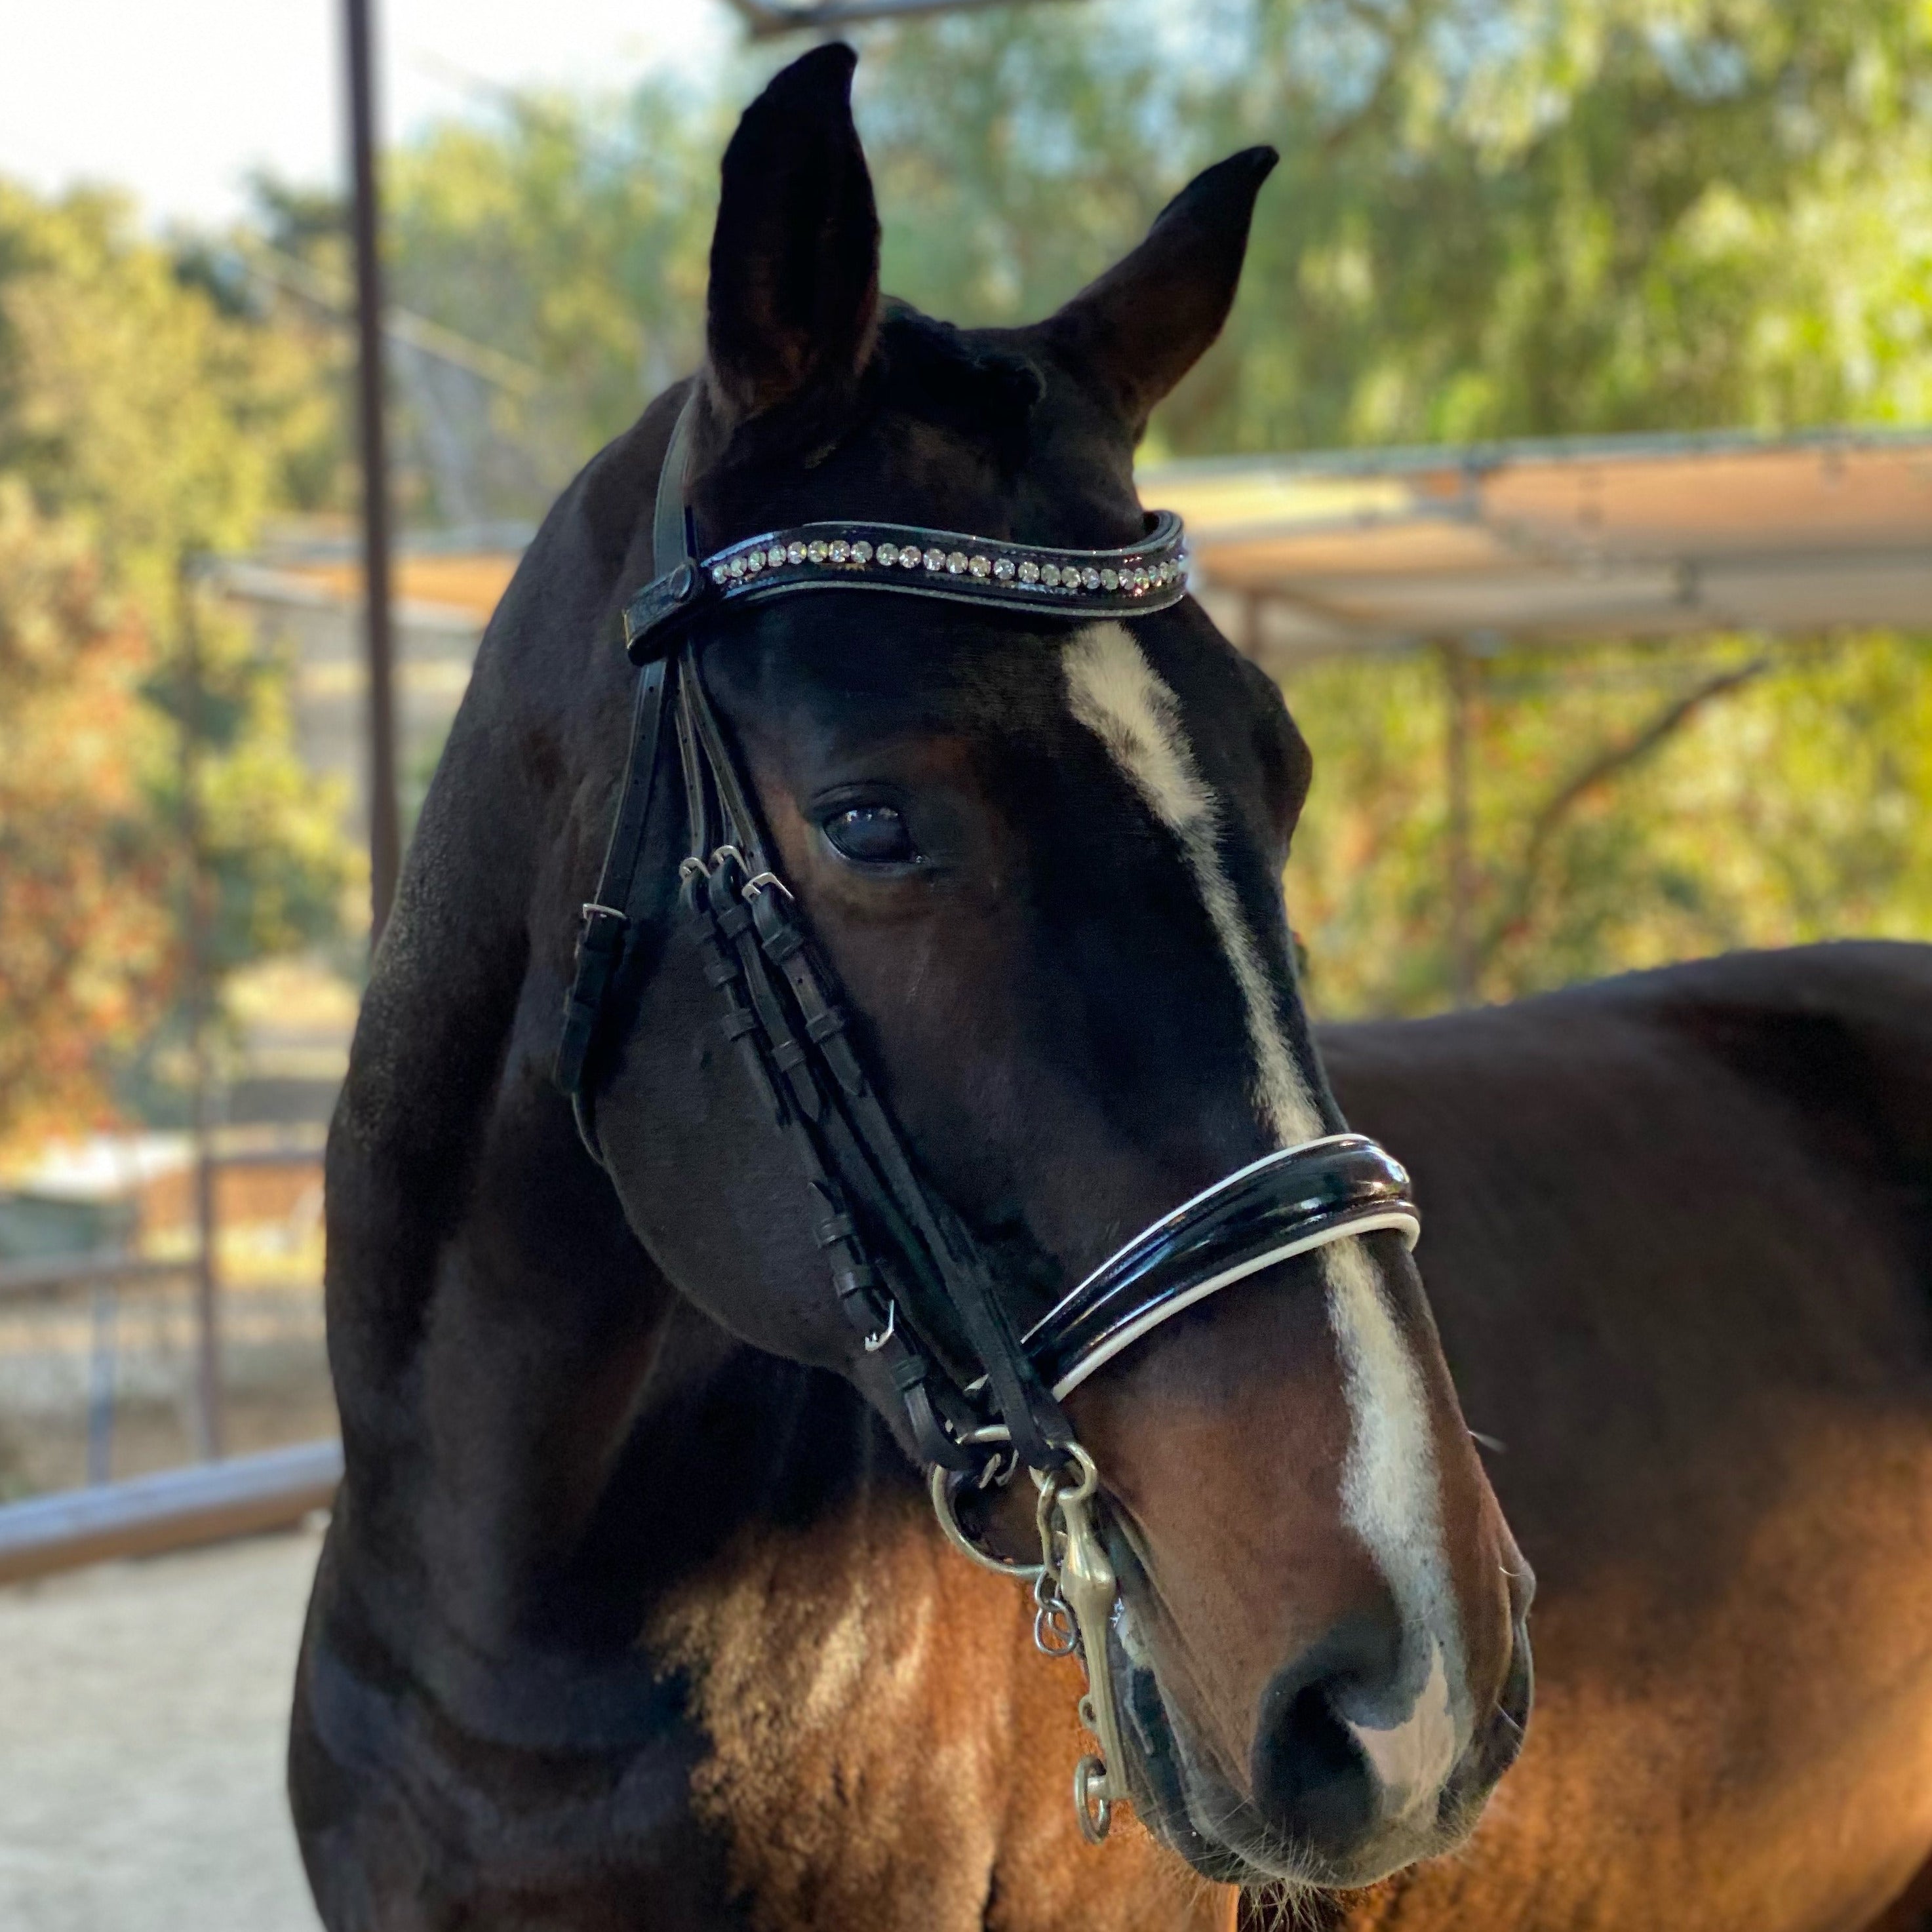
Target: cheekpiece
x=1149, y=575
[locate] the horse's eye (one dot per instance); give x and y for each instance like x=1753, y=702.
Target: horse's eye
x=871, y=835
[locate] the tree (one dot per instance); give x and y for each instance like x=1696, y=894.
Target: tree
x=140, y=427
x=1492, y=218
x=86, y=943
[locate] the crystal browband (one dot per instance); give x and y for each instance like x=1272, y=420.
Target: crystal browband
x=1149, y=575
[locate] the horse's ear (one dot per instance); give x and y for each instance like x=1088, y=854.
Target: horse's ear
x=794, y=293
x=1145, y=322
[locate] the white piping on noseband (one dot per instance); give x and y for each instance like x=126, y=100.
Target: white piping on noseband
x=1401, y=1220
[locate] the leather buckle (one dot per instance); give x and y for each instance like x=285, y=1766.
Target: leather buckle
x=665, y=601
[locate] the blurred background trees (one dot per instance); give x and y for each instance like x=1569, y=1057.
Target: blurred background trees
x=141, y=429
x=1493, y=218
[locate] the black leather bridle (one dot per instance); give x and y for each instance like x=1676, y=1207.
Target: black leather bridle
x=917, y=1286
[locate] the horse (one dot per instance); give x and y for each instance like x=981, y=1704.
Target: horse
x=833, y=1100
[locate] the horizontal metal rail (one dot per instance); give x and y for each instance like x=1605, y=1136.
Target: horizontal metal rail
x=175, y=1510
x=106, y=1267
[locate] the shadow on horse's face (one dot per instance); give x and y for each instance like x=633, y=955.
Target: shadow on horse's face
x=1043, y=861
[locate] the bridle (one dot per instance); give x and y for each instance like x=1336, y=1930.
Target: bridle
x=980, y=1397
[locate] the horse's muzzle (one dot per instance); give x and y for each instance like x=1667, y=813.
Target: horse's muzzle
x=1334, y=1802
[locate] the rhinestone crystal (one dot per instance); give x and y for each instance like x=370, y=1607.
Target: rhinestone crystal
x=1110, y=580
x=909, y=558
x=1049, y=575
x=815, y=551
x=1002, y=568
x=736, y=566
x=794, y=552
x=774, y=556
x=980, y=566
x=861, y=552
x=1091, y=577
x=1029, y=571
x=719, y=574
x=956, y=562
x=889, y=553
x=755, y=562
x=839, y=550
x=935, y=559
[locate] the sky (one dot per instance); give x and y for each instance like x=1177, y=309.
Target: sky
x=179, y=100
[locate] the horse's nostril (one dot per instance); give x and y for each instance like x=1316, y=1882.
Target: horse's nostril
x=1311, y=1782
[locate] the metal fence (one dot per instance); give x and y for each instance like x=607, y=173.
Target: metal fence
x=115, y=1363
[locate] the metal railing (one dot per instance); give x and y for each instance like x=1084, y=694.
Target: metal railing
x=172, y=1511
x=101, y=1283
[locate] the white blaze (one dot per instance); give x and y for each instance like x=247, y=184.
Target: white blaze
x=1389, y=1487
x=1123, y=701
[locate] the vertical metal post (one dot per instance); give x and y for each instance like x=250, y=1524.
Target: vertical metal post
x=101, y=1378
x=1251, y=626
x=197, y=922
x=1458, y=681
x=384, y=816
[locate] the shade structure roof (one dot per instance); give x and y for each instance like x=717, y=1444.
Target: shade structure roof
x=1553, y=540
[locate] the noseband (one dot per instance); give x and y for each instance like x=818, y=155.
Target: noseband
x=980, y=1396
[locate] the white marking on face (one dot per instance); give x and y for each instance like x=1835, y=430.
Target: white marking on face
x=1413, y=1758
x=1390, y=1486
x=1125, y=702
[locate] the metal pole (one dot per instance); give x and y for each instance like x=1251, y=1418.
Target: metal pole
x=100, y=1375
x=1459, y=677
x=384, y=816
x=197, y=921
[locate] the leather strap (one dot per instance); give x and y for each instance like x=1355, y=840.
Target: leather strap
x=604, y=924
x=653, y=617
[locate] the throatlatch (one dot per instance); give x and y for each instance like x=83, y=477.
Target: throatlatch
x=915, y=1283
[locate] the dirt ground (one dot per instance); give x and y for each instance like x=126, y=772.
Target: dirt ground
x=143, y=1716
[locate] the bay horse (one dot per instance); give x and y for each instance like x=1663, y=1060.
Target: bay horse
x=833, y=1099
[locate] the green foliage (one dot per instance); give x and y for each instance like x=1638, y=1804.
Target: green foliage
x=1492, y=218
x=129, y=401
x=573, y=237
x=140, y=424
x=1792, y=804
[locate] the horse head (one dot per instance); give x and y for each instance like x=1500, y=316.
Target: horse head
x=1039, y=854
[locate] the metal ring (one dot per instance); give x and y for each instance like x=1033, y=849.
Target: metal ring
x=1089, y=1478
x=753, y=886
x=942, y=1507
x=1094, y=1809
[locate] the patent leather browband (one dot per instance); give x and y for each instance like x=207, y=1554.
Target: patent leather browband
x=921, y=1293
